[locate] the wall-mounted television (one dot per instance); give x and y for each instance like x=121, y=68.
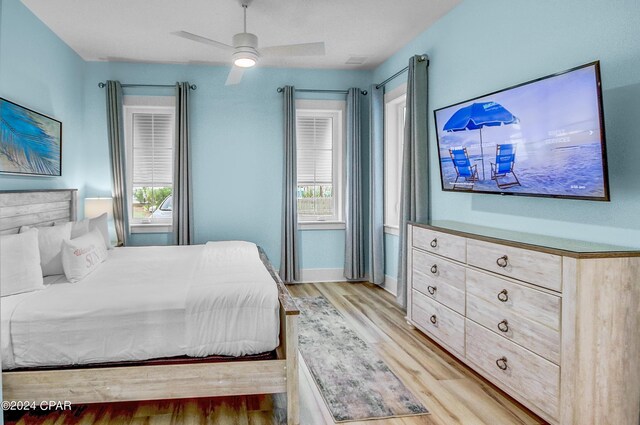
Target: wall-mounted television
x=541, y=138
x=30, y=142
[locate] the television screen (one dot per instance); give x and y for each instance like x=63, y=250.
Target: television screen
x=30, y=143
x=541, y=138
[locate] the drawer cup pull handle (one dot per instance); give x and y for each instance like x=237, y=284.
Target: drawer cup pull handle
x=503, y=296
x=433, y=319
x=434, y=243
x=432, y=289
x=502, y=363
x=503, y=326
x=434, y=269
x=502, y=261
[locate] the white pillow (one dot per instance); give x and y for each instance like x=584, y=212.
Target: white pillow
x=81, y=256
x=20, y=269
x=79, y=228
x=50, y=241
x=101, y=224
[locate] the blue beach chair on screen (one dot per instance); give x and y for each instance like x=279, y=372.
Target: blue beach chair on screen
x=464, y=169
x=505, y=160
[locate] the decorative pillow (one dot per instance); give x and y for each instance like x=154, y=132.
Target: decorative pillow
x=20, y=269
x=50, y=242
x=79, y=228
x=81, y=256
x=101, y=224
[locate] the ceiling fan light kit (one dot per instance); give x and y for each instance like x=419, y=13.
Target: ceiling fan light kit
x=245, y=54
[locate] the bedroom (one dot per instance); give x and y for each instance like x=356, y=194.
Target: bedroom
x=236, y=130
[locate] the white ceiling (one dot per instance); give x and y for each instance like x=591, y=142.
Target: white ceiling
x=140, y=30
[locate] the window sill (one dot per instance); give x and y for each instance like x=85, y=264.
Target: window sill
x=321, y=225
x=392, y=230
x=150, y=228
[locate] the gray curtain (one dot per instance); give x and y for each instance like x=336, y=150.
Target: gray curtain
x=354, y=246
x=117, y=149
x=289, y=267
x=182, y=198
x=376, y=185
x=414, y=189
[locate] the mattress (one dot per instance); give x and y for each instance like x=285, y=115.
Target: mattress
x=144, y=303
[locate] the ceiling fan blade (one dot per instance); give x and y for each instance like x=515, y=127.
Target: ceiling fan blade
x=304, y=49
x=235, y=75
x=200, y=39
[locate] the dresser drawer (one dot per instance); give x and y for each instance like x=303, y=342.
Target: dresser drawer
x=444, y=324
x=444, y=244
x=530, y=334
x=533, y=377
x=439, y=279
x=515, y=299
x=535, y=267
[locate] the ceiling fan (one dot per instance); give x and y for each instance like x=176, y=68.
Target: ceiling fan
x=245, y=51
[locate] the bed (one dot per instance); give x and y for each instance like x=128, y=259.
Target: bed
x=173, y=322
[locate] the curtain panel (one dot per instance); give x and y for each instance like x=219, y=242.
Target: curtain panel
x=289, y=266
x=414, y=189
x=182, y=182
x=117, y=149
x=376, y=186
x=354, y=243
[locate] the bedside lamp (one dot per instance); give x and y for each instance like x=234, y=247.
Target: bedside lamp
x=94, y=207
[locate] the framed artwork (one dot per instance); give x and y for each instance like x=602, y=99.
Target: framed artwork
x=30, y=142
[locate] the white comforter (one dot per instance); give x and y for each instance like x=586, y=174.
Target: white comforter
x=147, y=302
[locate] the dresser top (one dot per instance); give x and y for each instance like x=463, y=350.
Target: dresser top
x=554, y=245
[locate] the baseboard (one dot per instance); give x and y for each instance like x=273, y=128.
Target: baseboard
x=391, y=285
x=322, y=275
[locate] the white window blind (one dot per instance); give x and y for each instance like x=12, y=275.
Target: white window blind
x=152, y=149
x=315, y=150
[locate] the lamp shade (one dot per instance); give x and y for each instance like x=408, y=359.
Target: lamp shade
x=94, y=207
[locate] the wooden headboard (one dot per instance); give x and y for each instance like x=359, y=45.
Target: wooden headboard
x=36, y=208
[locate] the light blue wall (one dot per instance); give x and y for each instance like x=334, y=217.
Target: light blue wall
x=39, y=71
x=236, y=136
x=485, y=45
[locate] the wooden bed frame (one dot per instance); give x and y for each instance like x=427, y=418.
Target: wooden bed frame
x=147, y=382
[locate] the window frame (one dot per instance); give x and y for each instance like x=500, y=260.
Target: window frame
x=141, y=105
x=335, y=109
x=394, y=116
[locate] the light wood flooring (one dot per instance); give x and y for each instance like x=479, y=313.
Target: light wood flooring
x=452, y=392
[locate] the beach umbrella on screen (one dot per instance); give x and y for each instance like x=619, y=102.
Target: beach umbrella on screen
x=479, y=115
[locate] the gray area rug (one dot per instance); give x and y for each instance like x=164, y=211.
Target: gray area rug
x=353, y=380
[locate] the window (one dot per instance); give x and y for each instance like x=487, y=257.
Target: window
x=319, y=133
x=149, y=124
x=394, y=116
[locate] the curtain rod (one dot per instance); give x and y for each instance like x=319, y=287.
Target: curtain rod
x=102, y=85
x=420, y=59
x=281, y=89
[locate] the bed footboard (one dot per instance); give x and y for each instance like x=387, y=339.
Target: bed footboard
x=172, y=381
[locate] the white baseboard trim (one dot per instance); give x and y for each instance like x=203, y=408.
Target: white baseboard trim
x=322, y=275
x=390, y=285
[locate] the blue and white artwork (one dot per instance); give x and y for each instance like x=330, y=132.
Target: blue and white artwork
x=542, y=138
x=30, y=143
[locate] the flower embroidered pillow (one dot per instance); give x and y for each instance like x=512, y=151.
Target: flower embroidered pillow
x=82, y=255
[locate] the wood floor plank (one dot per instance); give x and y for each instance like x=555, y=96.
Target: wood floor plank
x=490, y=406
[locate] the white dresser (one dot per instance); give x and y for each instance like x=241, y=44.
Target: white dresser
x=554, y=323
